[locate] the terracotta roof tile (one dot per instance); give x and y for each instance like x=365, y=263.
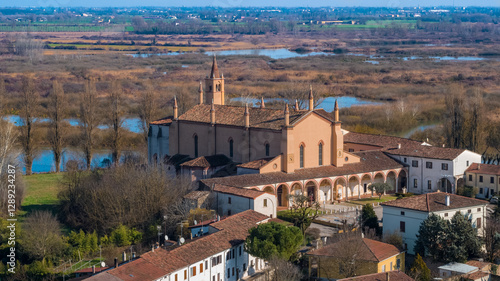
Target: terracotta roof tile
x=238, y=191
x=369, y=250
x=176, y=159
x=478, y=264
x=256, y=164
x=433, y=202
x=426, y=151
x=264, y=118
x=488, y=169
x=382, y=276
x=476, y=275
x=163, y=121
x=196, y=194
x=370, y=161
x=208, y=161
x=381, y=141
x=155, y=264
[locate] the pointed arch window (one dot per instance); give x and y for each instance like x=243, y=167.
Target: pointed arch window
x=195, y=146
x=267, y=149
x=301, y=156
x=160, y=133
x=231, y=146
x=320, y=154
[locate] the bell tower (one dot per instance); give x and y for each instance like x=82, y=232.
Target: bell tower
x=214, y=85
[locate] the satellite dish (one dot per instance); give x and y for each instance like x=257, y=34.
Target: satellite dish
x=182, y=240
x=166, y=237
x=103, y=264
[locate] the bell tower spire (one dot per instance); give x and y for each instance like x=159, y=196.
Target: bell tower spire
x=200, y=91
x=311, y=98
x=214, y=85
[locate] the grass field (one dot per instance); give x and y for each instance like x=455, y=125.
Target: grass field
x=364, y=201
x=41, y=192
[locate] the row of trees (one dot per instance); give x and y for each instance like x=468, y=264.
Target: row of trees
x=90, y=116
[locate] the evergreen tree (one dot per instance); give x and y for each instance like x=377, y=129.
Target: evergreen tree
x=369, y=218
x=273, y=240
x=419, y=270
x=466, y=237
x=431, y=235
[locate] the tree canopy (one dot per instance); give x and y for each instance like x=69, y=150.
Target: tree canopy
x=444, y=240
x=379, y=188
x=273, y=240
x=419, y=270
x=369, y=219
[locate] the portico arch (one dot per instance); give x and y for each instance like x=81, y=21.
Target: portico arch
x=354, y=186
x=402, y=180
x=379, y=178
x=268, y=189
x=325, y=187
x=296, y=189
x=339, y=187
x=445, y=185
x=366, y=180
x=391, y=180
x=282, y=194
x=311, y=191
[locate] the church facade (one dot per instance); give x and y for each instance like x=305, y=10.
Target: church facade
x=278, y=151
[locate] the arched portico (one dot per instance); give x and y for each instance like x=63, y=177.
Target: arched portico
x=311, y=191
x=366, y=180
x=391, y=180
x=354, y=185
x=379, y=178
x=282, y=194
x=339, y=187
x=268, y=189
x=325, y=188
x=445, y=185
x=402, y=180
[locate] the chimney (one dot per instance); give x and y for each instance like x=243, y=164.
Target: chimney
x=247, y=117
x=296, y=105
x=447, y=200
x=201, y=94
x=212, y=113
x=479, y=166
x=287, y=116
x=93, y=269
x=116, y=263
x=176, y=112
x=399, y=146
x=311, y=99
x=262, y=104
x=124, y=256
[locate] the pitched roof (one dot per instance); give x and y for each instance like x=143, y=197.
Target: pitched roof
x=381, y=141
x=382, y=276
x=370, y=161
x=163, y=121
x=176, y=159
x=264, y=118
x=155, y=264
x=238, y=191
x=488, y=169
x=478, y=275
x=479, y=264
x=256, y=164
x=433, y=202
x=208, y=161
x=367, y=249
x=425, y=151
x=196, y=194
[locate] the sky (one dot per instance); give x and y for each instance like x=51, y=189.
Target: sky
x=243, y=3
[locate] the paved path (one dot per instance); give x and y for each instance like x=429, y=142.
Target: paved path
x=345, y=211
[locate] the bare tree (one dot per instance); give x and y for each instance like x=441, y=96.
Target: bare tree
x=29, y=110
x=57, y=114
x=27, y=46
x=88, y=119
x=115, y=116
x=9, y=156
x=303, y=211
x=350, y=251
x=148, y=108
x=476, y=120
x=283, y=270
x=41, y=236
x=3, y=99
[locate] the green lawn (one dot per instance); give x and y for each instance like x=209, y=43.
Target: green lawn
x=41, y=192
x=375, y=199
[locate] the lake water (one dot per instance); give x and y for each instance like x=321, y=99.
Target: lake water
x=132, y=124
x=44, y=161
x=328, y=104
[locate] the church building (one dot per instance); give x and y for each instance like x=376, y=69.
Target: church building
x=277, y=151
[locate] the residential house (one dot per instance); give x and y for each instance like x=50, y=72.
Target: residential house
x=405, y=215
x=217, y=256
x=455, y=268
x=370, y=256
x=485, y=177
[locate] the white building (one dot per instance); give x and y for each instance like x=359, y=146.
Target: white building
x=433, y=168
x=158, y=140
x=217, y=256
x=232, y=200
x=405, y=215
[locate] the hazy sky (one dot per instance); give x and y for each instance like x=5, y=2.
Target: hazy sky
x=240, y=3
